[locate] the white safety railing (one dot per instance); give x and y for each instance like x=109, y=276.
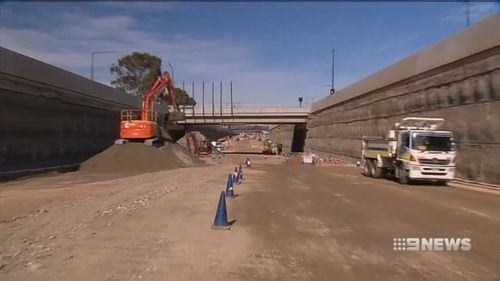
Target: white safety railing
x=244, y=109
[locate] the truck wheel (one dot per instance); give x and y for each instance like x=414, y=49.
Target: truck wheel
x=403, y=176
x=367, y=168
x=442, y=182
x=377, y=172
x=373, y=166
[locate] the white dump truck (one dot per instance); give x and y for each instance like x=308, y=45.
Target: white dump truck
x=415, y=149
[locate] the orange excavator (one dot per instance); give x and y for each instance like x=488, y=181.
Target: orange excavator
x=144, y=124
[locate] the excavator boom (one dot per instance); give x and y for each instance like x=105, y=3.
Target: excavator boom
x=162, y=82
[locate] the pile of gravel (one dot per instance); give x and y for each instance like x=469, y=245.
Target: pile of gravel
x=136, y=158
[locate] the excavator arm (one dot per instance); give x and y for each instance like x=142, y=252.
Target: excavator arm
x=162, y=82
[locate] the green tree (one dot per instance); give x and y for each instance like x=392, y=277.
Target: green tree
x=135, y=73
x=182, y=97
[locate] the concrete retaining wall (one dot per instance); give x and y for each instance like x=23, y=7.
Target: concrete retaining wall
x=464, y=89
x=50, y=117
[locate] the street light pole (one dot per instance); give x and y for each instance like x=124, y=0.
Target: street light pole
x=467, y=14
x=92, y=61
x=332, y=89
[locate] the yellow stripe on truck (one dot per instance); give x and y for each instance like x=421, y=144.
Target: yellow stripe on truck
x=375, y=152
x=405, y=156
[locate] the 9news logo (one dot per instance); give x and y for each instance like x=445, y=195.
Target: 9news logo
x=432, y=244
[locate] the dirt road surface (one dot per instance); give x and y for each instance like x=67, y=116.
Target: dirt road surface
x=293, y=222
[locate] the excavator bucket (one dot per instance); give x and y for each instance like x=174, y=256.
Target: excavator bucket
x=164, y=133
x=172, y=133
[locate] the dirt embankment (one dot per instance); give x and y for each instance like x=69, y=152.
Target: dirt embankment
x=136, y=158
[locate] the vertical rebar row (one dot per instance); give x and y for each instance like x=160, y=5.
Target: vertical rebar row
x=203, y=101
x=194, y=117
x=231, y=90
x=213, y=102
x=220, y=87
x=204, y=114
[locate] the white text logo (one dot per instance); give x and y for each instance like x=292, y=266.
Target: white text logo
x=431, y=244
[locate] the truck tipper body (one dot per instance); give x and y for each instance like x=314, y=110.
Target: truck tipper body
x=415, y=149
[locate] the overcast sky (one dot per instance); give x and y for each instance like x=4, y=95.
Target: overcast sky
x=273, y=52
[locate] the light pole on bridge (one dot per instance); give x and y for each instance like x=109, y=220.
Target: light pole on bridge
x=301, y=100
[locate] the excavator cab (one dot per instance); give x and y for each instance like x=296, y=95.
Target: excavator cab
x=132, y=126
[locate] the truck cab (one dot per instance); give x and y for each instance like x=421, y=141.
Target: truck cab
x=422, y=151
x=414, y=149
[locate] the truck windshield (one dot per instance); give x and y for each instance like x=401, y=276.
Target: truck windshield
x=433, y=142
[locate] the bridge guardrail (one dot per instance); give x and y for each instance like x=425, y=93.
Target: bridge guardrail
x=243, y=109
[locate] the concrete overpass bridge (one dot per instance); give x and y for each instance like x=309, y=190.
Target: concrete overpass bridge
x=246, y=114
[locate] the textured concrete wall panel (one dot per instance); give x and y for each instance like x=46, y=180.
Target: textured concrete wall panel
x=40, y=132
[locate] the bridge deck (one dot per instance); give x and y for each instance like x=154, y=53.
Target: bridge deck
x=245, y=115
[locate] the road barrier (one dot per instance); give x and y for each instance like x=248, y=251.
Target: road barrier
x=236, y=176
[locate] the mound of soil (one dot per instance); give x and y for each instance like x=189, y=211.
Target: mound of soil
x=135, y=158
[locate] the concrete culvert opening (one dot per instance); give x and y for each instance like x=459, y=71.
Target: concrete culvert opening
x=299, y=138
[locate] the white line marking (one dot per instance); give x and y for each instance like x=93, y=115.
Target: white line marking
x=476, y=212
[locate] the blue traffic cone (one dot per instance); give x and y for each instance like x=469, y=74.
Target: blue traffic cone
x=241, y=173
x=235, y=174
x=229, y=187
x=237, y=178
x=220, y=221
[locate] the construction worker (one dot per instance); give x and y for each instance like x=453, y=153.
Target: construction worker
x=219, y=152
x=423, y=145
x=280, y=148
